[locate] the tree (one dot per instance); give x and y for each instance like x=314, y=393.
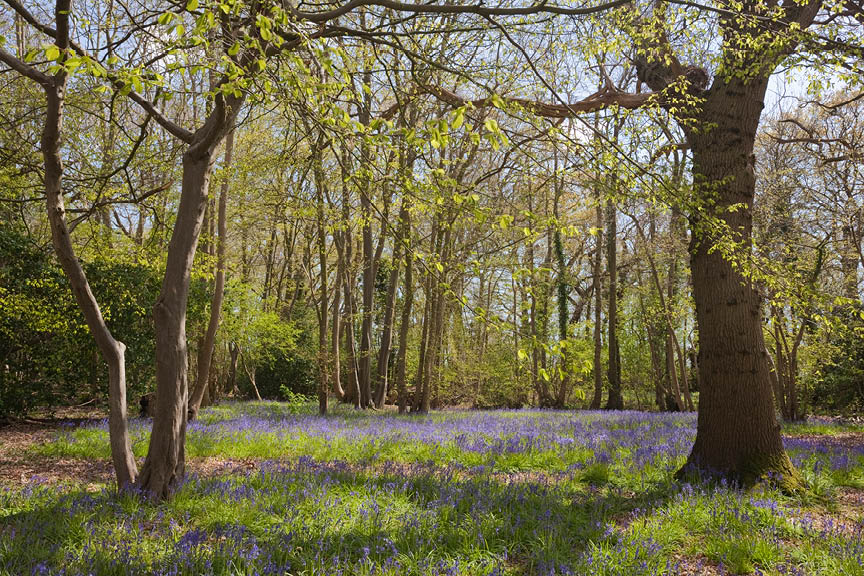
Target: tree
x=54, y=84
x=205, y=353
x=737, y=434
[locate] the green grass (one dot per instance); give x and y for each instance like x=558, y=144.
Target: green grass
x=518, y=493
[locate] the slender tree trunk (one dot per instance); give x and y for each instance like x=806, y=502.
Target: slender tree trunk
x=250, y=373
x=776, y=381
x=405, y=320
x=323, y=309
x=434, y=346
x=352, y=392
x=424, y=346
x=563, y=292
x=234, y=353
x=165, y=464
x=614, y=401
x=597, y=400
x=425, y=331
x=562, y=289
x=368, y=293
x=365, y=360
x=112, y=351
x=205, y=353
x=849, y=263
x=389, y=313
x=336, y=329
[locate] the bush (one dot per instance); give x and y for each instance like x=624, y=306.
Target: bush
x=47, y=356
x=839, y=387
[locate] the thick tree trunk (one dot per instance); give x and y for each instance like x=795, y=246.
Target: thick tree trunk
x=737, y=433
x=205, y=353
x=614, y=401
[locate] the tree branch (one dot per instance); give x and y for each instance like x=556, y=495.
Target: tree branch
x=24, y=69
x=608, y=96
x=479, y=9
x=148, y=106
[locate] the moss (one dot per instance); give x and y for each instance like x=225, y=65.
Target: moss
x=774, y=469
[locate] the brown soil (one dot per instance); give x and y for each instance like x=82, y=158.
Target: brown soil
x=841, y=440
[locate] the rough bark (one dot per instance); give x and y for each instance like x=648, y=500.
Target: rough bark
x=737, y=432
x=738, y=435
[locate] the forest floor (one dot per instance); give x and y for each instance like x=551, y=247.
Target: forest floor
x=274, y=489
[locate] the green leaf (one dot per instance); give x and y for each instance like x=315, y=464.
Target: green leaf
x=192, y=5
x=52, y=53
x=458, y=118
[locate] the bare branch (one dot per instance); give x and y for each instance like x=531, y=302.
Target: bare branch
x=479, y=9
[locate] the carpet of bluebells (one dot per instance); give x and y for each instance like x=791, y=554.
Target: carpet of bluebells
x=472, y=493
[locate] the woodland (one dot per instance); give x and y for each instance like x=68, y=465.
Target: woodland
x=443, y=287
